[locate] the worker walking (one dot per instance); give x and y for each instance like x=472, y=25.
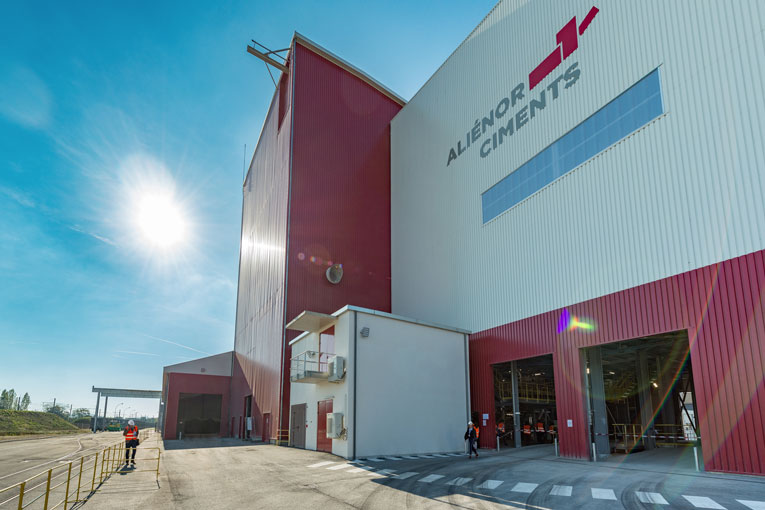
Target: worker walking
x=131, y=441
x=471, y=435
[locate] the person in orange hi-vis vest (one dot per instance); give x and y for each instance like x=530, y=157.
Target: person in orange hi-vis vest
x=131, y=442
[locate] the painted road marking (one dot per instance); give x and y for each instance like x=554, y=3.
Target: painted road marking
x=376, y=459
x=455, y=454
x=561, y=490
x=360, y=470
x=439, y=455
x=320, y=464
x=703, y=502
x=458, y=481
x=423, y=456
x=340, y=466
x=393, y=458
x=603, y=494
x=524, y=487
x=408, y=474
x=754, y=505
x=651, y=497
x=490, y=484
x=389, y=472
x=430, y=478
x=410, y=457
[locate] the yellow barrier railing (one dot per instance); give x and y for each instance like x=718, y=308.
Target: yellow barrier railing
x=46, y=488
x=282, y=437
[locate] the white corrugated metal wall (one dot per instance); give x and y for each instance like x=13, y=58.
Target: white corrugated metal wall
x=683, y=192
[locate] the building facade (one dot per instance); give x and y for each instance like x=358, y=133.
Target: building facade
x=317, y=194
x=588, y=178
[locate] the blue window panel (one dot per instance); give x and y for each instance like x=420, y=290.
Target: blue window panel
x=631, y=110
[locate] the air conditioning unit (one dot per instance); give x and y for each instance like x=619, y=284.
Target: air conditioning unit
x=334, y=425
x=336, y=369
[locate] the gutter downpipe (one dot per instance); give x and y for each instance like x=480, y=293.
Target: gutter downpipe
x=355, y=366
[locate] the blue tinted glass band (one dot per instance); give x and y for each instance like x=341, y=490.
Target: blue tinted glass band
x=631, y=110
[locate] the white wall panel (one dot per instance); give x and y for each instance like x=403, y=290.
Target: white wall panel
x=682, y=192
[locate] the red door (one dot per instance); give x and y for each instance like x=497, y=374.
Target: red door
x=323, y=443
x=267, y=427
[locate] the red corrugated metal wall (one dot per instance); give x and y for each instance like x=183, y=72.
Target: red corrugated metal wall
x=194, y=383
x=722, y=308
x=339, y=192
x=260, y=301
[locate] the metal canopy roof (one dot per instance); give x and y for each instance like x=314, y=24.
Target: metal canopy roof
x=312, y=322
x=125, y=393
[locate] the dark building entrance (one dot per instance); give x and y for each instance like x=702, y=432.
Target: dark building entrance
x=323, y=443
x=640, y=394
x=198, y=414
x=297, y=425
x=524, y=397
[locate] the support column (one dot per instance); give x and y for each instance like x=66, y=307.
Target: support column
x=106, y=403
x=598, y=395
x=95, y=415
x=666, y=387
x=646, y=403
x=516, y=406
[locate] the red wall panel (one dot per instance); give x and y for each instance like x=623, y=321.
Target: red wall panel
x=339, y=205
x=194, y=383
x=721, y=306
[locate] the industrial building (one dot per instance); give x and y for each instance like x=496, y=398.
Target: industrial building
x=578, y=186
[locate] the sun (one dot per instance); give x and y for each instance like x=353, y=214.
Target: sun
x=160, y=220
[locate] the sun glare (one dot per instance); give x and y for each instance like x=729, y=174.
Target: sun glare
x=160, y=220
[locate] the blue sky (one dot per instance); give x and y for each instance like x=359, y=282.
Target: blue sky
x=103, y=102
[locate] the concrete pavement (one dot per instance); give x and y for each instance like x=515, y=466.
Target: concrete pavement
x=232, y=474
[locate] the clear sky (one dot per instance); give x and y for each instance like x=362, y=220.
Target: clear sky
x=114, y=114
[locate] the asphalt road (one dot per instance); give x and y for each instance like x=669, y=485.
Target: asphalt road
x=232, y=474
x=20, y=459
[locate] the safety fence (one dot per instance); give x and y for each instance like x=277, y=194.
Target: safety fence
x=77, y=480
x=282, y=437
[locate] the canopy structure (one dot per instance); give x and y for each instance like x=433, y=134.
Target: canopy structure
x=119, y=392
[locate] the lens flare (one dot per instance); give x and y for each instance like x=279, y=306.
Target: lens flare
x=568, y=322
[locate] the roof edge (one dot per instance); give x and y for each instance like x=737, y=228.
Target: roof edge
x=316, y=48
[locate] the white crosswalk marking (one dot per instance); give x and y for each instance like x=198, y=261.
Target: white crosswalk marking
x=376, y=459
x=360, y=469
x=490, y=484
x=455, y=454
x=704, y=502
x=408, y=474
x=424, y=456
x=339, y=466
x=754, y=505
x=388, y=472
x=524, y=487
x=651, y=497
x=430, y=478
x=561, y=490
x=320, y=464
x=439, y=455
x=393, y=458
x=410, y=457
x=603, y=494
x=458, y=481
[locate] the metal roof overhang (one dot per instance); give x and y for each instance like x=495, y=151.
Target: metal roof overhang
x=125, y=393
x=312, y=322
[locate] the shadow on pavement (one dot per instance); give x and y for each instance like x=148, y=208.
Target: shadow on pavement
x=215, y=442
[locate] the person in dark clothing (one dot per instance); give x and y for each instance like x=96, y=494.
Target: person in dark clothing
x=471, y=435
x=131, y=441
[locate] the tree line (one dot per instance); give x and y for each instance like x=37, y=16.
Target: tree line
x=9, y=400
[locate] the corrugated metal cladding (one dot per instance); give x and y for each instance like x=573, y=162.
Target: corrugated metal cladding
x=327, y=201
x=683, y=192
x=260, y=302
x=721, y=306
x=339, y=193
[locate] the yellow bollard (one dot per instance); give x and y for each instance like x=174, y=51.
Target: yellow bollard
x=47, y=489
x=95, y=468
x=21, y=495
x=66, y=494
x=79, y=478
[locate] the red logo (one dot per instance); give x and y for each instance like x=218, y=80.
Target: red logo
x=568, y=42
